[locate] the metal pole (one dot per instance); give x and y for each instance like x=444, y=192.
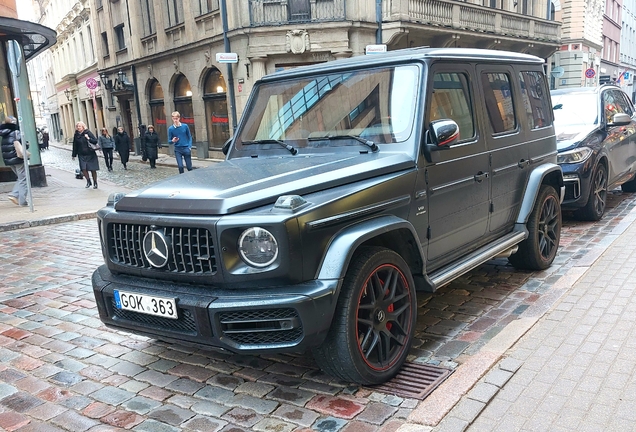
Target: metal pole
x=15, y=60
x=378, y=18
x=137, y=103
x=230, y=76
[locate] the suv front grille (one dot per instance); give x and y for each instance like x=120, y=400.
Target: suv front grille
x=191, y=250
x=262, y=327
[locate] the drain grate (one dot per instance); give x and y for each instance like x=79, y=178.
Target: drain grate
x=415, y=381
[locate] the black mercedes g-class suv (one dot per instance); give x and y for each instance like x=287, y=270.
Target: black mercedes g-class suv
x=347, y=187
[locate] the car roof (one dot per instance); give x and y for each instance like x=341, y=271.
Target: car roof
x=583, y=90
x=404, y=55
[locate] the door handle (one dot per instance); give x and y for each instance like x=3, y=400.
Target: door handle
x=480, y=176
x=523, y=163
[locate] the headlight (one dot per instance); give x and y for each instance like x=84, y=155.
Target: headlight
x=258, y=247
x=577, y=155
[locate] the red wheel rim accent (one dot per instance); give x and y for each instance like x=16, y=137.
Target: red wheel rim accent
x=383, y=317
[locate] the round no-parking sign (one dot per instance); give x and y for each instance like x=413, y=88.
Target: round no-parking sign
x=589, y=73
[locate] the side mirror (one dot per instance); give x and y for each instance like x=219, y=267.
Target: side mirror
x=620, y=119
x=226, y=146
x=443, y=133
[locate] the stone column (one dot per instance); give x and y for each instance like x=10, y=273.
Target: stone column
x=258, y=67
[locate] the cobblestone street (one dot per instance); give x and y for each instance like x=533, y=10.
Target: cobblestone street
x=60, y=369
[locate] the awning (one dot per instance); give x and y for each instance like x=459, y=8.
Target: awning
x=34, y=38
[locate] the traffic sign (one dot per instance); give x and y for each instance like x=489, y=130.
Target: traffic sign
x=92, y=83
x=589, y=73
x=557, y=72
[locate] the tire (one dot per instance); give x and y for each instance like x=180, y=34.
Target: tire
x=595, y=207
x=629, y=186
x=544, y=226
x=374, y=321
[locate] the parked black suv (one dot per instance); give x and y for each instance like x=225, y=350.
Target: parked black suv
x=596, y=140
x=347, y=186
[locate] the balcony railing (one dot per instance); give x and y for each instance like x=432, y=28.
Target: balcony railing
x=472, y=17
x=276, y=12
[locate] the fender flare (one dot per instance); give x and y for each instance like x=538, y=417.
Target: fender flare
x=532, y=188
x=340, y=250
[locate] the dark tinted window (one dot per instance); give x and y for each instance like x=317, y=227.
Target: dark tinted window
x=499, y=103
x=535, y=101
x=451, y=100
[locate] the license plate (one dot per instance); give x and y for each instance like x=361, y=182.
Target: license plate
x=142, y=303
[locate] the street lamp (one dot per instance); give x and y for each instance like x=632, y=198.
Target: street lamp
x=67, y=93
x=108, y=84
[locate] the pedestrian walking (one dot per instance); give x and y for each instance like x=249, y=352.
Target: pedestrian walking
x=151, y=146
x=122, y=144
x=45, y=138
x=10, y=133
x=84, y=148
x=107, y=144
x=179, y=134
x=40, y=137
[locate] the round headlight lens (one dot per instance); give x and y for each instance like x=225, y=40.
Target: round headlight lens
x=258, y=247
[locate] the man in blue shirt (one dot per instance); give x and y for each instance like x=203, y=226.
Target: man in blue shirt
x=179, y=134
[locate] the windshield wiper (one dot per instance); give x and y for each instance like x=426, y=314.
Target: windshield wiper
x=291, y=149
x=373, y=146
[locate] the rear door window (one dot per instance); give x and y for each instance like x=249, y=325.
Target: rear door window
x=499, y=102
x=535, y=101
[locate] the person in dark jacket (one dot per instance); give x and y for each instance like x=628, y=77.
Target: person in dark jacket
x=151, y=146
x=107, y=144
x=45, y=138
x=9, y=133
x=122, y=144
x=88, y=160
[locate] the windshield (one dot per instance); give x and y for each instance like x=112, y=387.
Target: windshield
x=377, y=105
x=575, y=109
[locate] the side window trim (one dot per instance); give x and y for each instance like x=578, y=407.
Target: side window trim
x=446, y=68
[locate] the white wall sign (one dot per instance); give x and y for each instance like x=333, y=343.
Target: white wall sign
x=227, y=57
x=376, y=49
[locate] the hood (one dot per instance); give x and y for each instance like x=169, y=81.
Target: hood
x=7, y=128
x=240, y=184
x=569, y=136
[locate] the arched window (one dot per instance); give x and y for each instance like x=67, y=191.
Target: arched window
x=158, y=110
x=214, y=96
x=183, y=103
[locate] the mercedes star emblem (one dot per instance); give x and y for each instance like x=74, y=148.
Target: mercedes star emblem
x=156, y=248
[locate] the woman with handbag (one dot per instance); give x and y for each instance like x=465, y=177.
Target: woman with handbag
x=122, y=144
x=85, y=148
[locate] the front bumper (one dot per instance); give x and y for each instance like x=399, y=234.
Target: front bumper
x=576, y=178
x=288, y=318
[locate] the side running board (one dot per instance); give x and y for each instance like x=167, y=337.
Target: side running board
x=456, y=269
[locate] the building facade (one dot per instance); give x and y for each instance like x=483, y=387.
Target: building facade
x=628, y=47
x=610, y=70
x=158, y=56
x=72, y=69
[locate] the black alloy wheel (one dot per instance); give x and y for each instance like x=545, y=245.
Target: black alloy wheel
x=544, y=233
x=595, y=207
x=374, y=321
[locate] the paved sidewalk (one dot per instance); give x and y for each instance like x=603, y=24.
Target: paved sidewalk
x=66, y=198
x=575, y=369
x=63, y=200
